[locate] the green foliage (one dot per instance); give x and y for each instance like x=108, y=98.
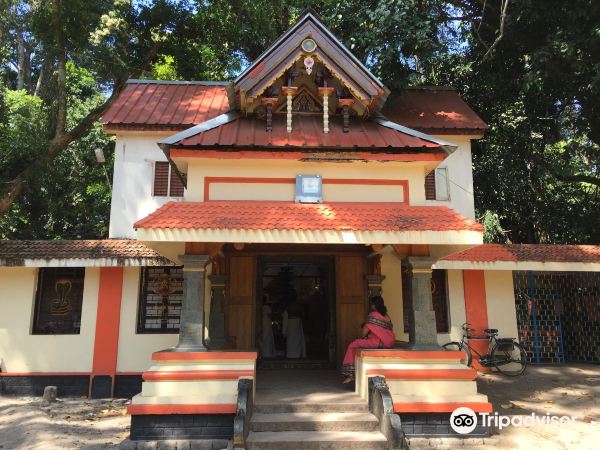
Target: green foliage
x=71, y=198
x=536, y=171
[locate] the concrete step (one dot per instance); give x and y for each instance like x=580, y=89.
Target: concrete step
x=340, y=407
x=303, y=421
x=316, y=440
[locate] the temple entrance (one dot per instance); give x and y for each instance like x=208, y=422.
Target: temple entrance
x=295, y=311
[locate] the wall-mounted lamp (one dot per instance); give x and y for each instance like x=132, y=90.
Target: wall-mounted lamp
x=100, y=159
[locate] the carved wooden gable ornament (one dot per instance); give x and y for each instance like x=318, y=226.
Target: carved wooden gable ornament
x=310, y=49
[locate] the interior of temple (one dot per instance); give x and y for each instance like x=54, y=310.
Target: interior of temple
x=296, y=308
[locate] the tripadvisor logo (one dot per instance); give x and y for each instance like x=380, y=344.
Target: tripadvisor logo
x=463, y=420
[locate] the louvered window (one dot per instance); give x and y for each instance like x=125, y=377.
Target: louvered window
x=430, y=185
x=166, y=181
x=436, y=184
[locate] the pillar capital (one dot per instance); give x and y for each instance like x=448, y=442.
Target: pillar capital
x=194, y=263
x=420, y=264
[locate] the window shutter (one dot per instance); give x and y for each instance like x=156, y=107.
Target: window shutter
x=441, y=184
x=430, y=185
x=176, y=185
x=161, y=179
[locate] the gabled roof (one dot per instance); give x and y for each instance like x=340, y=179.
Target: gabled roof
x=434, y=110
x=79, y=253
x=169, y=105
x=287, y=49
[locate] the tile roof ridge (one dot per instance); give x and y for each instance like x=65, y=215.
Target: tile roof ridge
x=178, y=82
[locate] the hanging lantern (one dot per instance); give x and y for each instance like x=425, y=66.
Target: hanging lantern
x=309, y=62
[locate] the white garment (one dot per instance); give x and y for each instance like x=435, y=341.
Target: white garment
x=292, y=329
x=267, y=347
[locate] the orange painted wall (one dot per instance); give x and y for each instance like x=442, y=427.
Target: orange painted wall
x=106, y=342
x=476, y=311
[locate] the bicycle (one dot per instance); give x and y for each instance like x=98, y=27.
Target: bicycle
x=506, y=355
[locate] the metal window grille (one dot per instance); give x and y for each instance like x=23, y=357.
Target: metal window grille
x=558, y=315
x=161, y=294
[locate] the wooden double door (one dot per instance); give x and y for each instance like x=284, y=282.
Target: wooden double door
x=350, y=300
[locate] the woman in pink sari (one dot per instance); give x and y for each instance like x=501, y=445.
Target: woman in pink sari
x=377, y=332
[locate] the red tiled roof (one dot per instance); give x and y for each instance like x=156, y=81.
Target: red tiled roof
x=14, y=253
x=167, y=104
x=431, y=109
x=259, y=215
x=307, y=132
x=528, y=252
x=178, y=105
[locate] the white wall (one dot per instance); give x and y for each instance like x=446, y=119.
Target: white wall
x=135, y=153
x=501, y=307
x=135, y=350
x=391, y=267
x=460, y=175
x=20, y=351
x=132, y=181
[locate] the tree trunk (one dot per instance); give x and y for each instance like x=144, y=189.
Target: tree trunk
x=61, y=115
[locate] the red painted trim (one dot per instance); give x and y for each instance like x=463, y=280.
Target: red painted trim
x=192, y=375
x=44, y=374
x=345, y=181
x=139, y=410
x=106, y=342
x=192, y=356
x=476, y=310
x=129, y=373
x=425, y=374
x=243, y=154
x=408, y=354
x=440, y=407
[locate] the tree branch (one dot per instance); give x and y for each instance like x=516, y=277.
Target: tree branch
x=503, y=7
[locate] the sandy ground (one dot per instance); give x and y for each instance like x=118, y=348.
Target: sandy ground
x=25, y=423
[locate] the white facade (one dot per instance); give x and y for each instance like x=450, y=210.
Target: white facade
x=135, y=154
x=132, y=199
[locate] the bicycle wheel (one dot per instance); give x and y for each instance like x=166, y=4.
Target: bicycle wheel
x=511, y=363
x=459, y=347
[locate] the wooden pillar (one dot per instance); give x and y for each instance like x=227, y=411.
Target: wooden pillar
x=325, y=92
x=289, y=91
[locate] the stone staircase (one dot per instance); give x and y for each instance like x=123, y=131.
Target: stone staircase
x=314, y=426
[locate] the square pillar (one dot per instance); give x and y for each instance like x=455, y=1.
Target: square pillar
x=191, y=325
x=423, y=329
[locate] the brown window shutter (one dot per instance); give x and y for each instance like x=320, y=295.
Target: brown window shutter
x=161, y=179
x=176, y=185
x=430, y=185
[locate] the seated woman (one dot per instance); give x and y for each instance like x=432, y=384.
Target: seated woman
x=377, y=332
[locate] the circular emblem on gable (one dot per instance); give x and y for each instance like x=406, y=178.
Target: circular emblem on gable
x=309, y=45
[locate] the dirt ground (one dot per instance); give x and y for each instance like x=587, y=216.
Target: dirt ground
x=26, y=423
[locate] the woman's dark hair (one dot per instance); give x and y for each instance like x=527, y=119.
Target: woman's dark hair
x=377, y=301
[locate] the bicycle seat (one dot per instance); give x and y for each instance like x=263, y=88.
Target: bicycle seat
x=490, y=331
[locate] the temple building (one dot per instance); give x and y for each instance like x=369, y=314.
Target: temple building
x=251, y=221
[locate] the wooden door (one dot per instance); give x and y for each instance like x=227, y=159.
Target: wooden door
x=241, y=301
x=351, y=300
